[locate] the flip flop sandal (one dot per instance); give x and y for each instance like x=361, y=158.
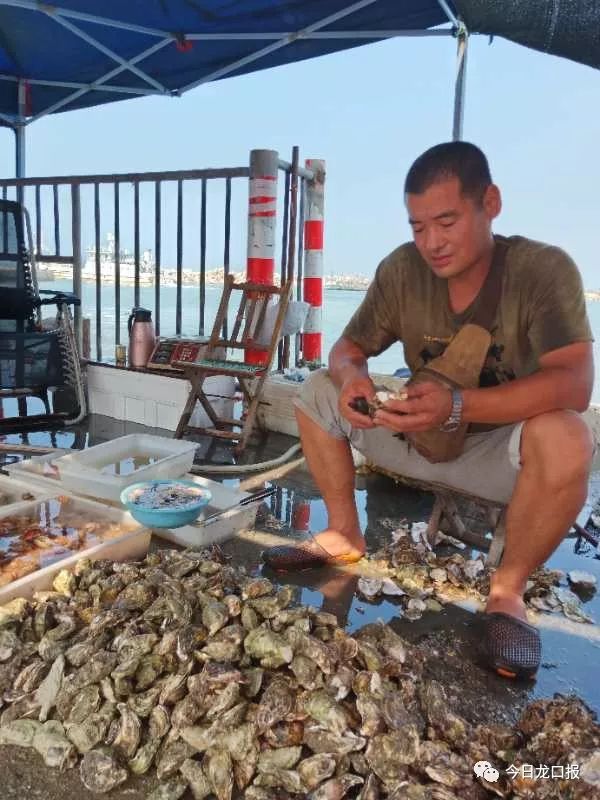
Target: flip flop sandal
x=511, y=647
x=305, y=554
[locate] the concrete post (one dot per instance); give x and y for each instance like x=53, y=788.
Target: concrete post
x=262, y=220
x=312, y=338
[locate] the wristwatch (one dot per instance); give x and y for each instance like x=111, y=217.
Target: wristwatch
x=454, y=420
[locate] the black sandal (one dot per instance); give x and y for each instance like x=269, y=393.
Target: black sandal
x=304, y=554
x=511, y=647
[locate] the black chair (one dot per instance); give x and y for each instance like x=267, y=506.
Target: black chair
x=38, y=357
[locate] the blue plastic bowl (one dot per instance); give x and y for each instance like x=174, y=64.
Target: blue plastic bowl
x=165, y=517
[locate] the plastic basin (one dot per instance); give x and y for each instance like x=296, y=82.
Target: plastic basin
x=167, y=515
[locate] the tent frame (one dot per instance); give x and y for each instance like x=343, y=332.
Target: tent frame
x=68, y=18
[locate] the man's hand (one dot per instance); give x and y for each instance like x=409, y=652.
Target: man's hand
x=356, y=386
x=427, y=406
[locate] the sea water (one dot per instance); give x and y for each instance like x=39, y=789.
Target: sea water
x=338, y=307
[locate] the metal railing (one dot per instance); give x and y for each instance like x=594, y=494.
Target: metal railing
x=66, y=210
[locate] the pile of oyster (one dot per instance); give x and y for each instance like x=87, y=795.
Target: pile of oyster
x=217, y=681
x=424, y=580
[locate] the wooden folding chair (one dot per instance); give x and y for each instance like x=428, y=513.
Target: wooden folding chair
x=247, y=329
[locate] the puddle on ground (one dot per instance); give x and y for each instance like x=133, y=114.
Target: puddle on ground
x=450, y=640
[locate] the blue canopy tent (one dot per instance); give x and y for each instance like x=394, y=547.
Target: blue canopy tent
x=78, y=53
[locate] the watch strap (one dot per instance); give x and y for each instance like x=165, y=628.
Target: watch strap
x=455, y=417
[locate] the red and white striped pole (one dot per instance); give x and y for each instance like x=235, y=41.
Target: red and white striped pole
x=262, y=219
x=301, y=516
x=312, y=338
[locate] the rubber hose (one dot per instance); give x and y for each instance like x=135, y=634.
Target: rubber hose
x=224, y=469
x=213, y=469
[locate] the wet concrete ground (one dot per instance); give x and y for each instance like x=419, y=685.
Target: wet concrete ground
x=570, y=660
x=448, y=638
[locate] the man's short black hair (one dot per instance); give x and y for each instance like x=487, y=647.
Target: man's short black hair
x=461, y=160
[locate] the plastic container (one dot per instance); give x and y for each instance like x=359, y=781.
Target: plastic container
x=202, y=534
x=38, y=471
x=117, y=536
x=106, y=469
x=165, y=516
x=16, y=492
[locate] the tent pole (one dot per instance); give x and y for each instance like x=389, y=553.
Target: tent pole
x=20, y=151
x=20, y=143
x=460, y=84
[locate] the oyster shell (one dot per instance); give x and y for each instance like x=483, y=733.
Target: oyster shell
x=100, y=772
x=287, y=779
x=325, y=710
x=371, y=789
x=316, y=769
x=244, y=771
x=19, y=732
x=214, y=616
x=218, y=768
x=306, y=671
x=89, y=733
x=257, y=587
x=54, y=747
x=450, y=727
x=198, y=782
x=320, y=741
x=9, y=644
x=370, y=588
x=129, y=732
x=388, y=754
x=371, y=714
x=144, y=702
x=270, y=684
x=171, y=757
x=582, y=580
x=30, y=677
x=336, y=788
x=281, y=758
x=285, y=734
x=48, y=689
x=158, y=722
x=276, y=703
x=142, y=761
x=269, y=647
x=170, y=790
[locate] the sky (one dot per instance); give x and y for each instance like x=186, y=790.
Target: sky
x=369, y=112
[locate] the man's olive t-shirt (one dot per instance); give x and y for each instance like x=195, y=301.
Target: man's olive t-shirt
x=541, y=308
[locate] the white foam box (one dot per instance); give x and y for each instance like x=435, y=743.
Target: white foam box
x=202, y=534
x=82, y=471
x=152, y=399
x=132, y=543
x=276, y=407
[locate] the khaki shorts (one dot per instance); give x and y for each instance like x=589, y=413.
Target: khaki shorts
x=487, y=467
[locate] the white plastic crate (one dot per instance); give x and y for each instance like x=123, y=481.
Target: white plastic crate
x=37, y=471
x=14, y=492
x=84, y=472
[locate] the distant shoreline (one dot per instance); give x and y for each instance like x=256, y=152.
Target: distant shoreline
x=192, y=278
x=349, y=283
